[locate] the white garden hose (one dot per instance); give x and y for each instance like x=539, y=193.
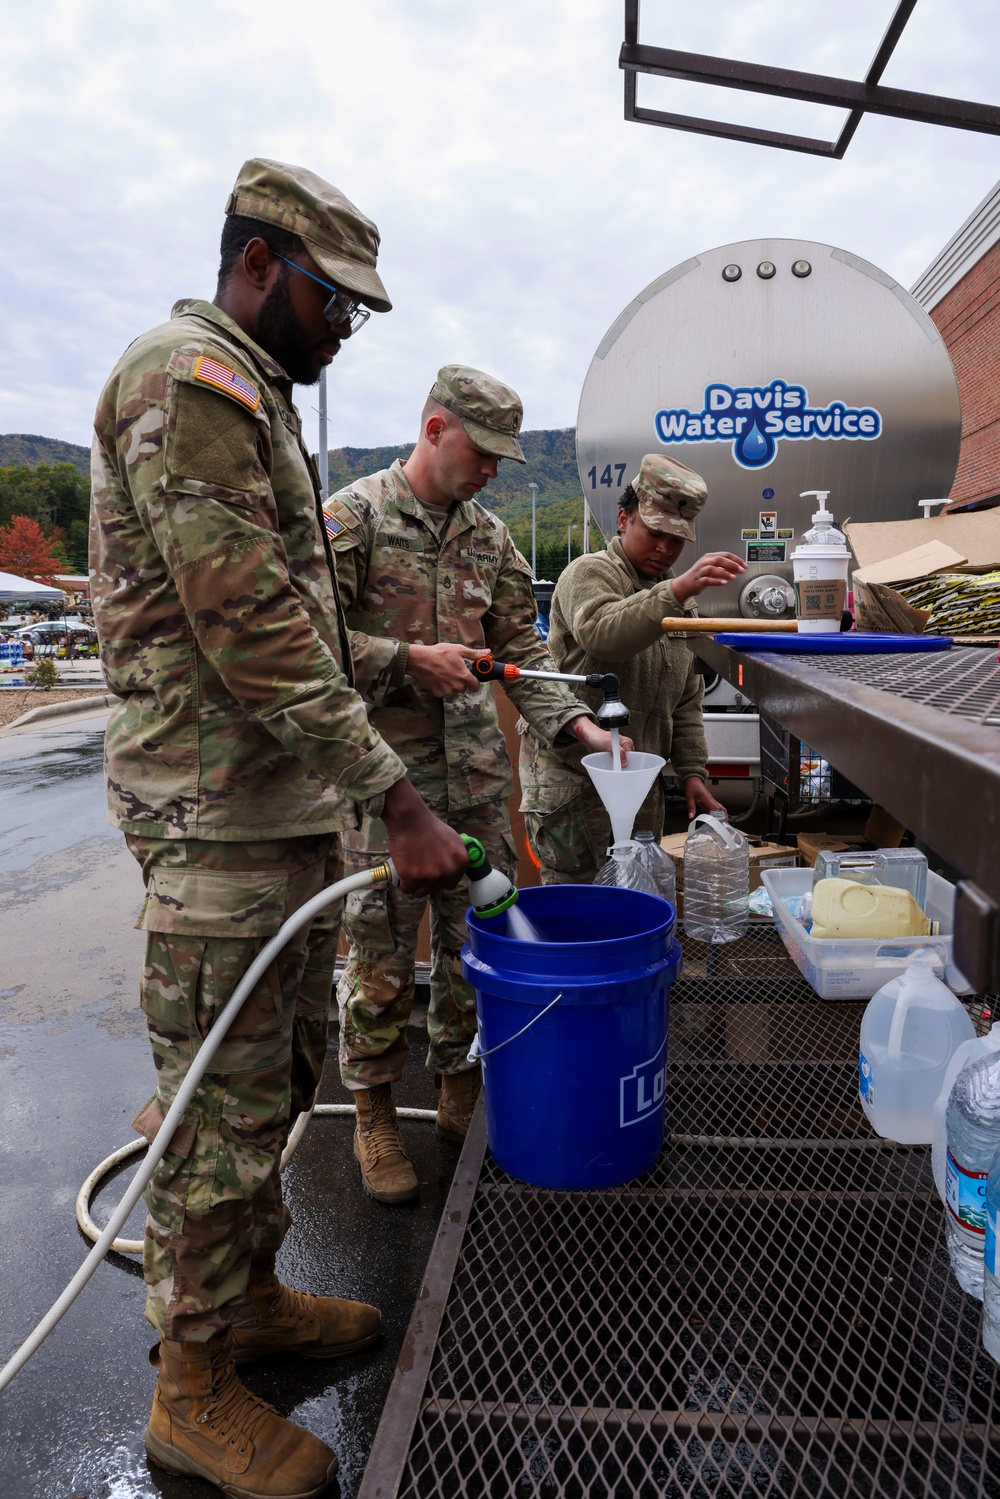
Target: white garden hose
x=382, y=874
x=136, y=1147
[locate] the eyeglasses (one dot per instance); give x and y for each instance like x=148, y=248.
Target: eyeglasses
x=342, y=307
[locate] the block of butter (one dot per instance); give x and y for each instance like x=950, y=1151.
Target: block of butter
x=843, y=908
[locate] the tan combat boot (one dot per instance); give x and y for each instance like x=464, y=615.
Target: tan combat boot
x=276, y=1319
x=206, y=1424
x=386, y=1169
x=459, y=1096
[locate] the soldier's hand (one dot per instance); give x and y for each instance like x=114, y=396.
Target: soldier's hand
x=427, y=853
x=595, y=740
x=699, y=798
x=711, y=571
x=441, y=668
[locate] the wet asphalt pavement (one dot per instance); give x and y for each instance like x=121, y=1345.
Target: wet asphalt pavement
x=74, y=1069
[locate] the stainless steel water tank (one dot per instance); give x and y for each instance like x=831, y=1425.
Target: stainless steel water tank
x=772, y=366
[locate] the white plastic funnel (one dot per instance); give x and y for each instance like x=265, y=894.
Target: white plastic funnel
x=623, y=791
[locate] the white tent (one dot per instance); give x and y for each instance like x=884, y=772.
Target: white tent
x=15, y=590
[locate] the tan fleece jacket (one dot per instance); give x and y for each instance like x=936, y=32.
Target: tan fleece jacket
x=604, y=617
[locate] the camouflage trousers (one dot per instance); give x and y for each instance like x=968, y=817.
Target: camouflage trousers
x=214, y=1202
x=568, y=828
x=376, y=989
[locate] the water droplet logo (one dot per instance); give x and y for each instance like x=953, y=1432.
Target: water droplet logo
x=754, y=447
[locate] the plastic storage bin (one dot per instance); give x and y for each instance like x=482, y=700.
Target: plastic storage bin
x=857, y=968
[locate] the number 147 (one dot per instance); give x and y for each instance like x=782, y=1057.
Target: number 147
x=606, y=475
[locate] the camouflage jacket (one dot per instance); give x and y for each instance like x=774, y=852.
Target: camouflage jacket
x=399, y=582
x=215, y=602
x=605, y=617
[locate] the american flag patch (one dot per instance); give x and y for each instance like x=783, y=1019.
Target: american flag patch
x=211, y=372
x=333, y=527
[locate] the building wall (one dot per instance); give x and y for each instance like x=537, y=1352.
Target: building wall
x=969, y=319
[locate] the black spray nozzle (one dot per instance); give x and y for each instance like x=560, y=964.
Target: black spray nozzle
x=490, y=891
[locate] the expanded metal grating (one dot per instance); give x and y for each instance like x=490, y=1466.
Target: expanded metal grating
x=769, y=1311
x=963, y=681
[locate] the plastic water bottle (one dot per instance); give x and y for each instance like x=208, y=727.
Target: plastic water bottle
x=625, y=871
x=716, y=881
x=991, y=1267
x=969, y=1051
x=658, y=865
x=973, y=1133
x=909, y=1032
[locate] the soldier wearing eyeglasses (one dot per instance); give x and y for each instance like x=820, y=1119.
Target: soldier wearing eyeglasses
x=237, y=752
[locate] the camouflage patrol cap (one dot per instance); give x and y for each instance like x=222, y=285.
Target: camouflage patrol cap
x=341, y=240
x=670, y=495
x=489, y=411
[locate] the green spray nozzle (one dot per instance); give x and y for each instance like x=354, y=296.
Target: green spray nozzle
x=490, y=891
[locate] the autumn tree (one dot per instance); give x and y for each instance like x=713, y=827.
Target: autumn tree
x=57, y=496
x=25, y=550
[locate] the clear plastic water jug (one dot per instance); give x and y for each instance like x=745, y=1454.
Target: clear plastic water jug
x=624, y=870
x=658, y=865
x=969, y=1051
x=909, y=1032
x=716, y=881
x=904, y=868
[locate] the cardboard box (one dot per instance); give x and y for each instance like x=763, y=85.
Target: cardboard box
x=763, y=855
x=903, y=551
x=811, y=844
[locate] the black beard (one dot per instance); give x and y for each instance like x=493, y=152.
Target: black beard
x=282, y=335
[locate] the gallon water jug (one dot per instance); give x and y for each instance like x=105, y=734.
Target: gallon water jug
x=716, y=881
x=969, y=1051
x=909, y=1032
x=843, y=908
x=658, y=865
x=973, y=1134
x=624, y=870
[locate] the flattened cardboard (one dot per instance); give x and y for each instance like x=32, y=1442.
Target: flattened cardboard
x=975, y=535
x=921, y=562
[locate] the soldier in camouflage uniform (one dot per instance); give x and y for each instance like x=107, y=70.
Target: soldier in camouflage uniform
x=237, y=752
x=429, y=579
x=605, y=616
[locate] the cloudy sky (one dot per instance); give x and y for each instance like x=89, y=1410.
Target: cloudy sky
x=519, y=213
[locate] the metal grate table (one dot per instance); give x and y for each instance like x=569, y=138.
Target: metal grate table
x=916, y=733
x=770, y=1310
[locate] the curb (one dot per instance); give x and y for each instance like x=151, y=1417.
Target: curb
x=61, y=710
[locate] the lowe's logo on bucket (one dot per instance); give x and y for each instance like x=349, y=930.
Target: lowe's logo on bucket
x=755, y=418
x=643, y=1089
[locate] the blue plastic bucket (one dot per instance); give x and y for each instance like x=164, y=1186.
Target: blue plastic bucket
x=577, y=1101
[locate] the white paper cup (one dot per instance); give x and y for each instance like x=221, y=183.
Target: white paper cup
x=819, y=574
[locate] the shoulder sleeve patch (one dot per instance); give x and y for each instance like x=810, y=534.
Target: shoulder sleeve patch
x=342, y=524
x=210, y=440
x=212, y=372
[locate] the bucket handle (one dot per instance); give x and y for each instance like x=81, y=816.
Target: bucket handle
x=476, y=1053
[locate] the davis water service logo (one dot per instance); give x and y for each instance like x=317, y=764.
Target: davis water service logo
x=755, y=418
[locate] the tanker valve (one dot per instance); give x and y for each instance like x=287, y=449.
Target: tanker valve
x=490, y=891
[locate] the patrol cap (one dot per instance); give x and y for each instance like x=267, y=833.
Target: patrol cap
x=490, y=412
x=341, y=240
x=670, y=495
